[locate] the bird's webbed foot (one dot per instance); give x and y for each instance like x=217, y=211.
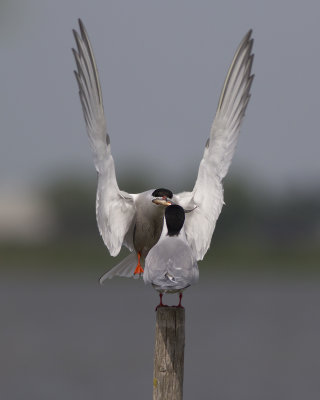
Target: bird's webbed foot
x=139, y=269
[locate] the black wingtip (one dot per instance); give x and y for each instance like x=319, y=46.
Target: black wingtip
x=80, y=22
x=74, y=52
x=81, y=25
x=248, y=35
x=83, y=31
x=76, y=37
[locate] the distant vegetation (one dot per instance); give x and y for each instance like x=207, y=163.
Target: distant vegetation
x=255, y=230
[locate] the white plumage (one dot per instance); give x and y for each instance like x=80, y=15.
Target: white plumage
x=170, y=265
x=120, y=214
x=207, y=194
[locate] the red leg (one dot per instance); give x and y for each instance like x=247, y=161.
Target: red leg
x=139, y=269
x=160, y=304
x=180, y=298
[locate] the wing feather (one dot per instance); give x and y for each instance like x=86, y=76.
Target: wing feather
x=114, y=209
x=207, y=194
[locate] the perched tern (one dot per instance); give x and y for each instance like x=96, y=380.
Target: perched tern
x=170, y=265
x=136, y=220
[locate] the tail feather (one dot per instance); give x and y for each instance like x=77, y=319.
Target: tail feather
x=125, y=268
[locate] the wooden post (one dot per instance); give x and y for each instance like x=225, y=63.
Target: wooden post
x=169, y=354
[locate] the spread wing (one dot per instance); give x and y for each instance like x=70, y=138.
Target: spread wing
x=115, y=209
x=207, y=194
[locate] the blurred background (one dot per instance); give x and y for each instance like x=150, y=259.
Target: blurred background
x=252, y=321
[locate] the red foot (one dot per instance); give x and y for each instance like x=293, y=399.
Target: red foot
x=180, y=298
x=160, y=304
x=139, y=269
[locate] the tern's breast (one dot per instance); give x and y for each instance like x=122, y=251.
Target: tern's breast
x=148, y=228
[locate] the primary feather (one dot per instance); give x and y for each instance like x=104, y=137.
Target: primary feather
x=115, y=209
x=120, y=215
x=207, y=194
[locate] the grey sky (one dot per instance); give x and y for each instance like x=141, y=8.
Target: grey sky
x=162, y=65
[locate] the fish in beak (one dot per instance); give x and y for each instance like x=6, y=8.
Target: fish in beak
x=164, y=201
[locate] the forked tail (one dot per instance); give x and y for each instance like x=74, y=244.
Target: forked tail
x=125, y=268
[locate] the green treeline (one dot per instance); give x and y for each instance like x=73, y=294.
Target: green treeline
x=256, y=227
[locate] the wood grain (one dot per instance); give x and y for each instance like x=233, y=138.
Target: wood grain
x=169, y=354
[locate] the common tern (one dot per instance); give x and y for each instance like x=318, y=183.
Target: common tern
x=170, y=265
x=136, y=220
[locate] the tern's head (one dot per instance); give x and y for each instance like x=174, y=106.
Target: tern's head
x=174, y=216
x=162, y=197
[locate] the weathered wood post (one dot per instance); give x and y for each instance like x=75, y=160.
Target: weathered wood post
x=169, y=354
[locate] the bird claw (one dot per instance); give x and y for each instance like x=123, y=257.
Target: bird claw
x=138, y=270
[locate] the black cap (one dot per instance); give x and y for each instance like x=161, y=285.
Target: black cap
x=175, y=217
x=162, y=193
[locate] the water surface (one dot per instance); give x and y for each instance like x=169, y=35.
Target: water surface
x=246, y=339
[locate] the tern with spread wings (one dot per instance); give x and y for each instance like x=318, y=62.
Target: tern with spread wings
x=136, y=220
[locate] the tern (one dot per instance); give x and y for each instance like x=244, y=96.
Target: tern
x=136, y=220
x=170, y=266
